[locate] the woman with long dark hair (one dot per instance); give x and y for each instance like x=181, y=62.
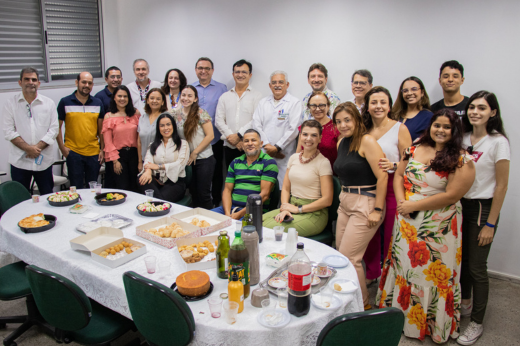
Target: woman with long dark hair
x=120, y=136
x=194, y=125
x=165, y=162
x=174, y=82
x=412, y=106
x=422, y=270
x=486, y=140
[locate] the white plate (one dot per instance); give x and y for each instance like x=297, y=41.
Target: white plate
x=336, y=261
x=316, y=280
x=286, y=318
x=347, y=286
x=278, y=282
x=315, y=299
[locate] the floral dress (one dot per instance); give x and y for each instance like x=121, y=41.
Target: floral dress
x=421, y=273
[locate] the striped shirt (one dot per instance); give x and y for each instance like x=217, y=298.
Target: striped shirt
x=247, y=178
x=81, y=123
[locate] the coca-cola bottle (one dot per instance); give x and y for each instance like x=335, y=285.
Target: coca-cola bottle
x=299, y=299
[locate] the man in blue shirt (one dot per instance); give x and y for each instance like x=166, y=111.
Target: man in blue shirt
x=114, y=78
x=209, y=93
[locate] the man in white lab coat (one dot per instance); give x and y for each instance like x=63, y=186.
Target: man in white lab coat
x=277, y=118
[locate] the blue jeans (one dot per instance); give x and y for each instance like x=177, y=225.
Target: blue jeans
x=43, y=179
x=220, y=210
x=82, y=169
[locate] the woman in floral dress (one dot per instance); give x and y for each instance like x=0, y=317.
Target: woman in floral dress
x=422, y=270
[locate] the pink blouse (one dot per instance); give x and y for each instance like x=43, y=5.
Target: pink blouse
x=119, y=132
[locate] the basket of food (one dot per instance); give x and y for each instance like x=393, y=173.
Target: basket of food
x=111, y=198
x=63, y=198
x=154, y=208
x=37, y=223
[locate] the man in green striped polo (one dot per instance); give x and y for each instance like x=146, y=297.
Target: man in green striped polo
x=253, y=172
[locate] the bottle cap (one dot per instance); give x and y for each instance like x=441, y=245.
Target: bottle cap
x=249, y=229
x=223, y=232
x=299, y=246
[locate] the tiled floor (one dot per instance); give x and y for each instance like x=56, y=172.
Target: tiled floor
x=502, y=322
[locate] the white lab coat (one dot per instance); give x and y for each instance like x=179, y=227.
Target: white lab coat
x=278, y=125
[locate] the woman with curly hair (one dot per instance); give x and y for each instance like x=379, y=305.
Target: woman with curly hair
x=421, y=273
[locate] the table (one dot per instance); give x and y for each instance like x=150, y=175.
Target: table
x=51, y=250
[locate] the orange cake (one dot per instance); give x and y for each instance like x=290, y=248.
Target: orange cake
x=193, y=283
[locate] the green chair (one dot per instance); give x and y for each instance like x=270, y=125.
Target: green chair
x=14, y=285
x=381, y=327
x=160, y=314
x=76, y=317
x=327, y=236
x=12, y=193
x=275, y=196
x=186, y=200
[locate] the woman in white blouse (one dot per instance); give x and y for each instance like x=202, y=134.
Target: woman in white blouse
x=165, y=162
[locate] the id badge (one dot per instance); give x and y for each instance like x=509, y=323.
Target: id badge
x=38, y=160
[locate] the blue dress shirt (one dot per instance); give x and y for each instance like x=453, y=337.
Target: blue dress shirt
x=104, y=95
x=208, y=99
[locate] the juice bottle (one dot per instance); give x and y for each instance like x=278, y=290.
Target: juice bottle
x=238, y=256
x=222, y=255
x=236, y=289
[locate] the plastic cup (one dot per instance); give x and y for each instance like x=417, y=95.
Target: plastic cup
x=278, y=232
x=98, y=188
x=149, y=195
x=230, y=311
x=164, y=268
x=73, y=189
x=93, y=186
x=282, y=297
x=36, y=198
x=150, y=264
x=215, y=306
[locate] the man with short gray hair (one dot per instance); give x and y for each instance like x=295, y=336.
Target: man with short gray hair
x=142, y=84
x=361, y=84
x=277, y=118
x=317, y=78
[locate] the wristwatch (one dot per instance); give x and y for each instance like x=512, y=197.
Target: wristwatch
x=240, y=136
x=395, y=166
x=378, y=210
x=277, y=148
x=300, y=209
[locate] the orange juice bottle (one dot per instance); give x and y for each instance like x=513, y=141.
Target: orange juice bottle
x=236, y=289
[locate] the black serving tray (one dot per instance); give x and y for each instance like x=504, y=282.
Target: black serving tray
x=154, y=213
x=52, y=222
x=99, y=197
x=193, y=299
x=64, y=204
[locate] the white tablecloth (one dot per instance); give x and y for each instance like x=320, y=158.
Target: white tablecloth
x=51, y=250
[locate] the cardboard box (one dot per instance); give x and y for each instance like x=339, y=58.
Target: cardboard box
x=202, y=265
x=164, y=221
x=97, y=240
x=217, y=221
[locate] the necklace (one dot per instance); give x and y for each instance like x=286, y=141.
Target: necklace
x=304, y=161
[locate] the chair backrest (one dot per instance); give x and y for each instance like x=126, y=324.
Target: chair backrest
x=159, y=313
x=381, y=327
x=60, y=301
x=333, y=209
x=12, y=193
x=189, y=174
x=275, y=196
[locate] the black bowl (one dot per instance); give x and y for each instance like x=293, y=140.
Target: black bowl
x=52, y=222
x=64, y=204
x=193, y=299
x=111, y=202
x=155, y=213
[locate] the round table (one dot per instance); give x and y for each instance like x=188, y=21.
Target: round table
x=51, y=250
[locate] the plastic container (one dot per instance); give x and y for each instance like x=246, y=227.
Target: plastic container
x=78, y=209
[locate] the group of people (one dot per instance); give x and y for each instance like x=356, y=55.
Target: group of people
x=422, y=185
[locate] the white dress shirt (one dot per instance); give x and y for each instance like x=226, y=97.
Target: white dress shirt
x=136, y=95
x=278, y=124
x=174, y=161
x=234, y=114
x=38, y=124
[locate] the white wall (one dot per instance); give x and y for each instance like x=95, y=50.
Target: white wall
x=393, y=39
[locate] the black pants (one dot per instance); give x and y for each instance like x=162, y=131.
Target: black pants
x=170, y=191
x=43, y=179
x=200, y=187
x=474, y=275
x=230, y=155
x=127, y=179
x=218, y=177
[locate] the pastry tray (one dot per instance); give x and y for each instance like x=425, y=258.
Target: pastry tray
x=278, y=272
x=82, y=227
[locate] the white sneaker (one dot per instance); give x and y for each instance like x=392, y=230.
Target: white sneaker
x=471, y=334
x=466, y=310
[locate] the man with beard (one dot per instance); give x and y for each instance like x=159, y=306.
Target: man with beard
x=114, y=78
x=31, y=125
x=317, y=78
x=253, y=172
x=142, y=84
x=83, y=117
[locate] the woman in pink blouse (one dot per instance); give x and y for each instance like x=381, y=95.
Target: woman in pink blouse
x=120, y=135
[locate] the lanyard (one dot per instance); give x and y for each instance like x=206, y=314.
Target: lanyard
x=142, y=92
x=176, y=101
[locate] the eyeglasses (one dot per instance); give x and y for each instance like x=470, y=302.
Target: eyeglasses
x=29, y=113
x=414, y=89
x=114, y=77
x=320, y=106
x=360, y=83
x=207, y=69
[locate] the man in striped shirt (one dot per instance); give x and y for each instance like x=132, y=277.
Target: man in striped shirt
x=255, y=172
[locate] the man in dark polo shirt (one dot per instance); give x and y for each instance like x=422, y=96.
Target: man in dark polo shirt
x=253, y=172
x=114, y=78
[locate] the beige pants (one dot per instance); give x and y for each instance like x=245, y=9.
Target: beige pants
x=353, y=233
